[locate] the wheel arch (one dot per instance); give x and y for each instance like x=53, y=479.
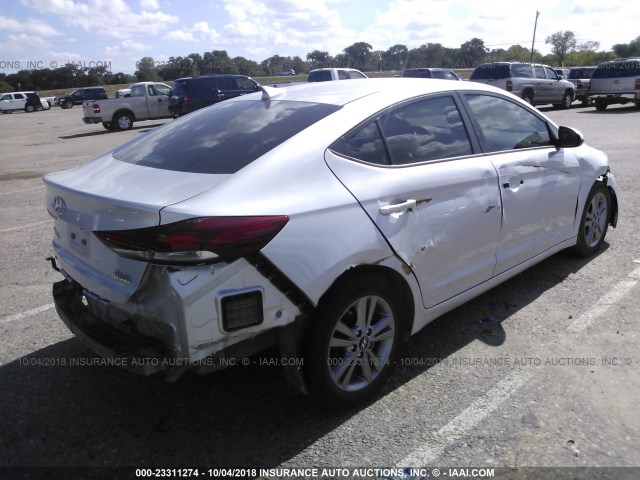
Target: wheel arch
x=528, y=91
x=386, y=273
x=121, y=111
x=613, y=215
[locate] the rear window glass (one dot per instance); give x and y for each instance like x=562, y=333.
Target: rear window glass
x=223, y=138
x=578, y=73
x=416, y=74
x=521, y=70
x=179, y=88
x=491, y=71
x=202, y=87
x=226, y=83
x=319, y=76
x=630, y=68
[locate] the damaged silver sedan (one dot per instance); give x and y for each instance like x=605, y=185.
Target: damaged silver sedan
x=332, y=220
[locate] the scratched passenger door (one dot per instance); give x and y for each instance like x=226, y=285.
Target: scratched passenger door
x=434, y=199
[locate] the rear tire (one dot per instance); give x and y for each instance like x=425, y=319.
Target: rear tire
x=594, y=222
x=108, y=125
x=601, y=104
x=352, y=345
x=527, y=96
x=123, y=121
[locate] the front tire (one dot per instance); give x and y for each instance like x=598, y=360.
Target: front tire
x=567, y=98
x=354, y=341
x=594, y=222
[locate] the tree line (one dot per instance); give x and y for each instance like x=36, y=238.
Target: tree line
x=565, y=51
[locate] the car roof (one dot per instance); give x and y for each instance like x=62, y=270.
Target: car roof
x=621, y=60
x=432, y=69
x=211, y=75
x=332, y=68
x=343, y=92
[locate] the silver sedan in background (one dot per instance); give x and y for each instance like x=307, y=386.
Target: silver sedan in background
x=332, y=219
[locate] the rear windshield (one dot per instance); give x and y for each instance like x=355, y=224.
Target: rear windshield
x=629, y=68
x=223, y=138
x=179, y=87
x=491, y=71
x=416, y=74
x=577, y=73
x=319, y=76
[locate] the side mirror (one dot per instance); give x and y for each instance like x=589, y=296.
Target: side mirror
x=569, y=138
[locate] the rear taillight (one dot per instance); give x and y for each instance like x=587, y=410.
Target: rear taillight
x=509, y=86
x=186, y=100
x=96, y=108
x=637, y=84
x=196, y=241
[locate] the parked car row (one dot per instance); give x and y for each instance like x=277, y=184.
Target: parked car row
x=27, y=101
x=612, y=82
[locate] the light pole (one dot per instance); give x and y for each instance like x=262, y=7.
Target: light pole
x=534, y=37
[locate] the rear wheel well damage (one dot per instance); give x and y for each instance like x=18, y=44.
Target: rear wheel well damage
x=292, y=338
x=384, y=274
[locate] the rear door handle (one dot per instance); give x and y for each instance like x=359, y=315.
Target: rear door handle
x=398, y=207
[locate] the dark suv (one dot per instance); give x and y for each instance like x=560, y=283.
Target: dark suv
x=33, y=103
x=535, y=84
x=78, y=96
x=192, y=93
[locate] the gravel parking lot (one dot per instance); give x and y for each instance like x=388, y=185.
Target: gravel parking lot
x=542, y=371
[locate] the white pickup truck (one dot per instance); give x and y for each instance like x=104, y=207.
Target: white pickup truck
x=147, y=101
x=329, y=74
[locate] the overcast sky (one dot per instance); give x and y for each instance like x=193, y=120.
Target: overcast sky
x=49, y=33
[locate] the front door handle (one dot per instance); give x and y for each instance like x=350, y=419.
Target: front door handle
x=508, y=184
x=398, y=207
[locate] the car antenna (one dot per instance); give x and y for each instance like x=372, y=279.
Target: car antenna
x=270, y=92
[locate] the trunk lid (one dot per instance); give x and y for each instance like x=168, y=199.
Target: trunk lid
x=108, y=194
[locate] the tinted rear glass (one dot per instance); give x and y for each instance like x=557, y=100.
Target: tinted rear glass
x=416, y=74
x=630, y=68
x=320, y=76
x=577, y=73
x=179, y=88
x=202, y=87
x=223, y=138
x=491, y=71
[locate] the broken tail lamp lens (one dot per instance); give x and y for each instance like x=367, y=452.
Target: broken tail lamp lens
x=242, y=310
x=197, y=240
